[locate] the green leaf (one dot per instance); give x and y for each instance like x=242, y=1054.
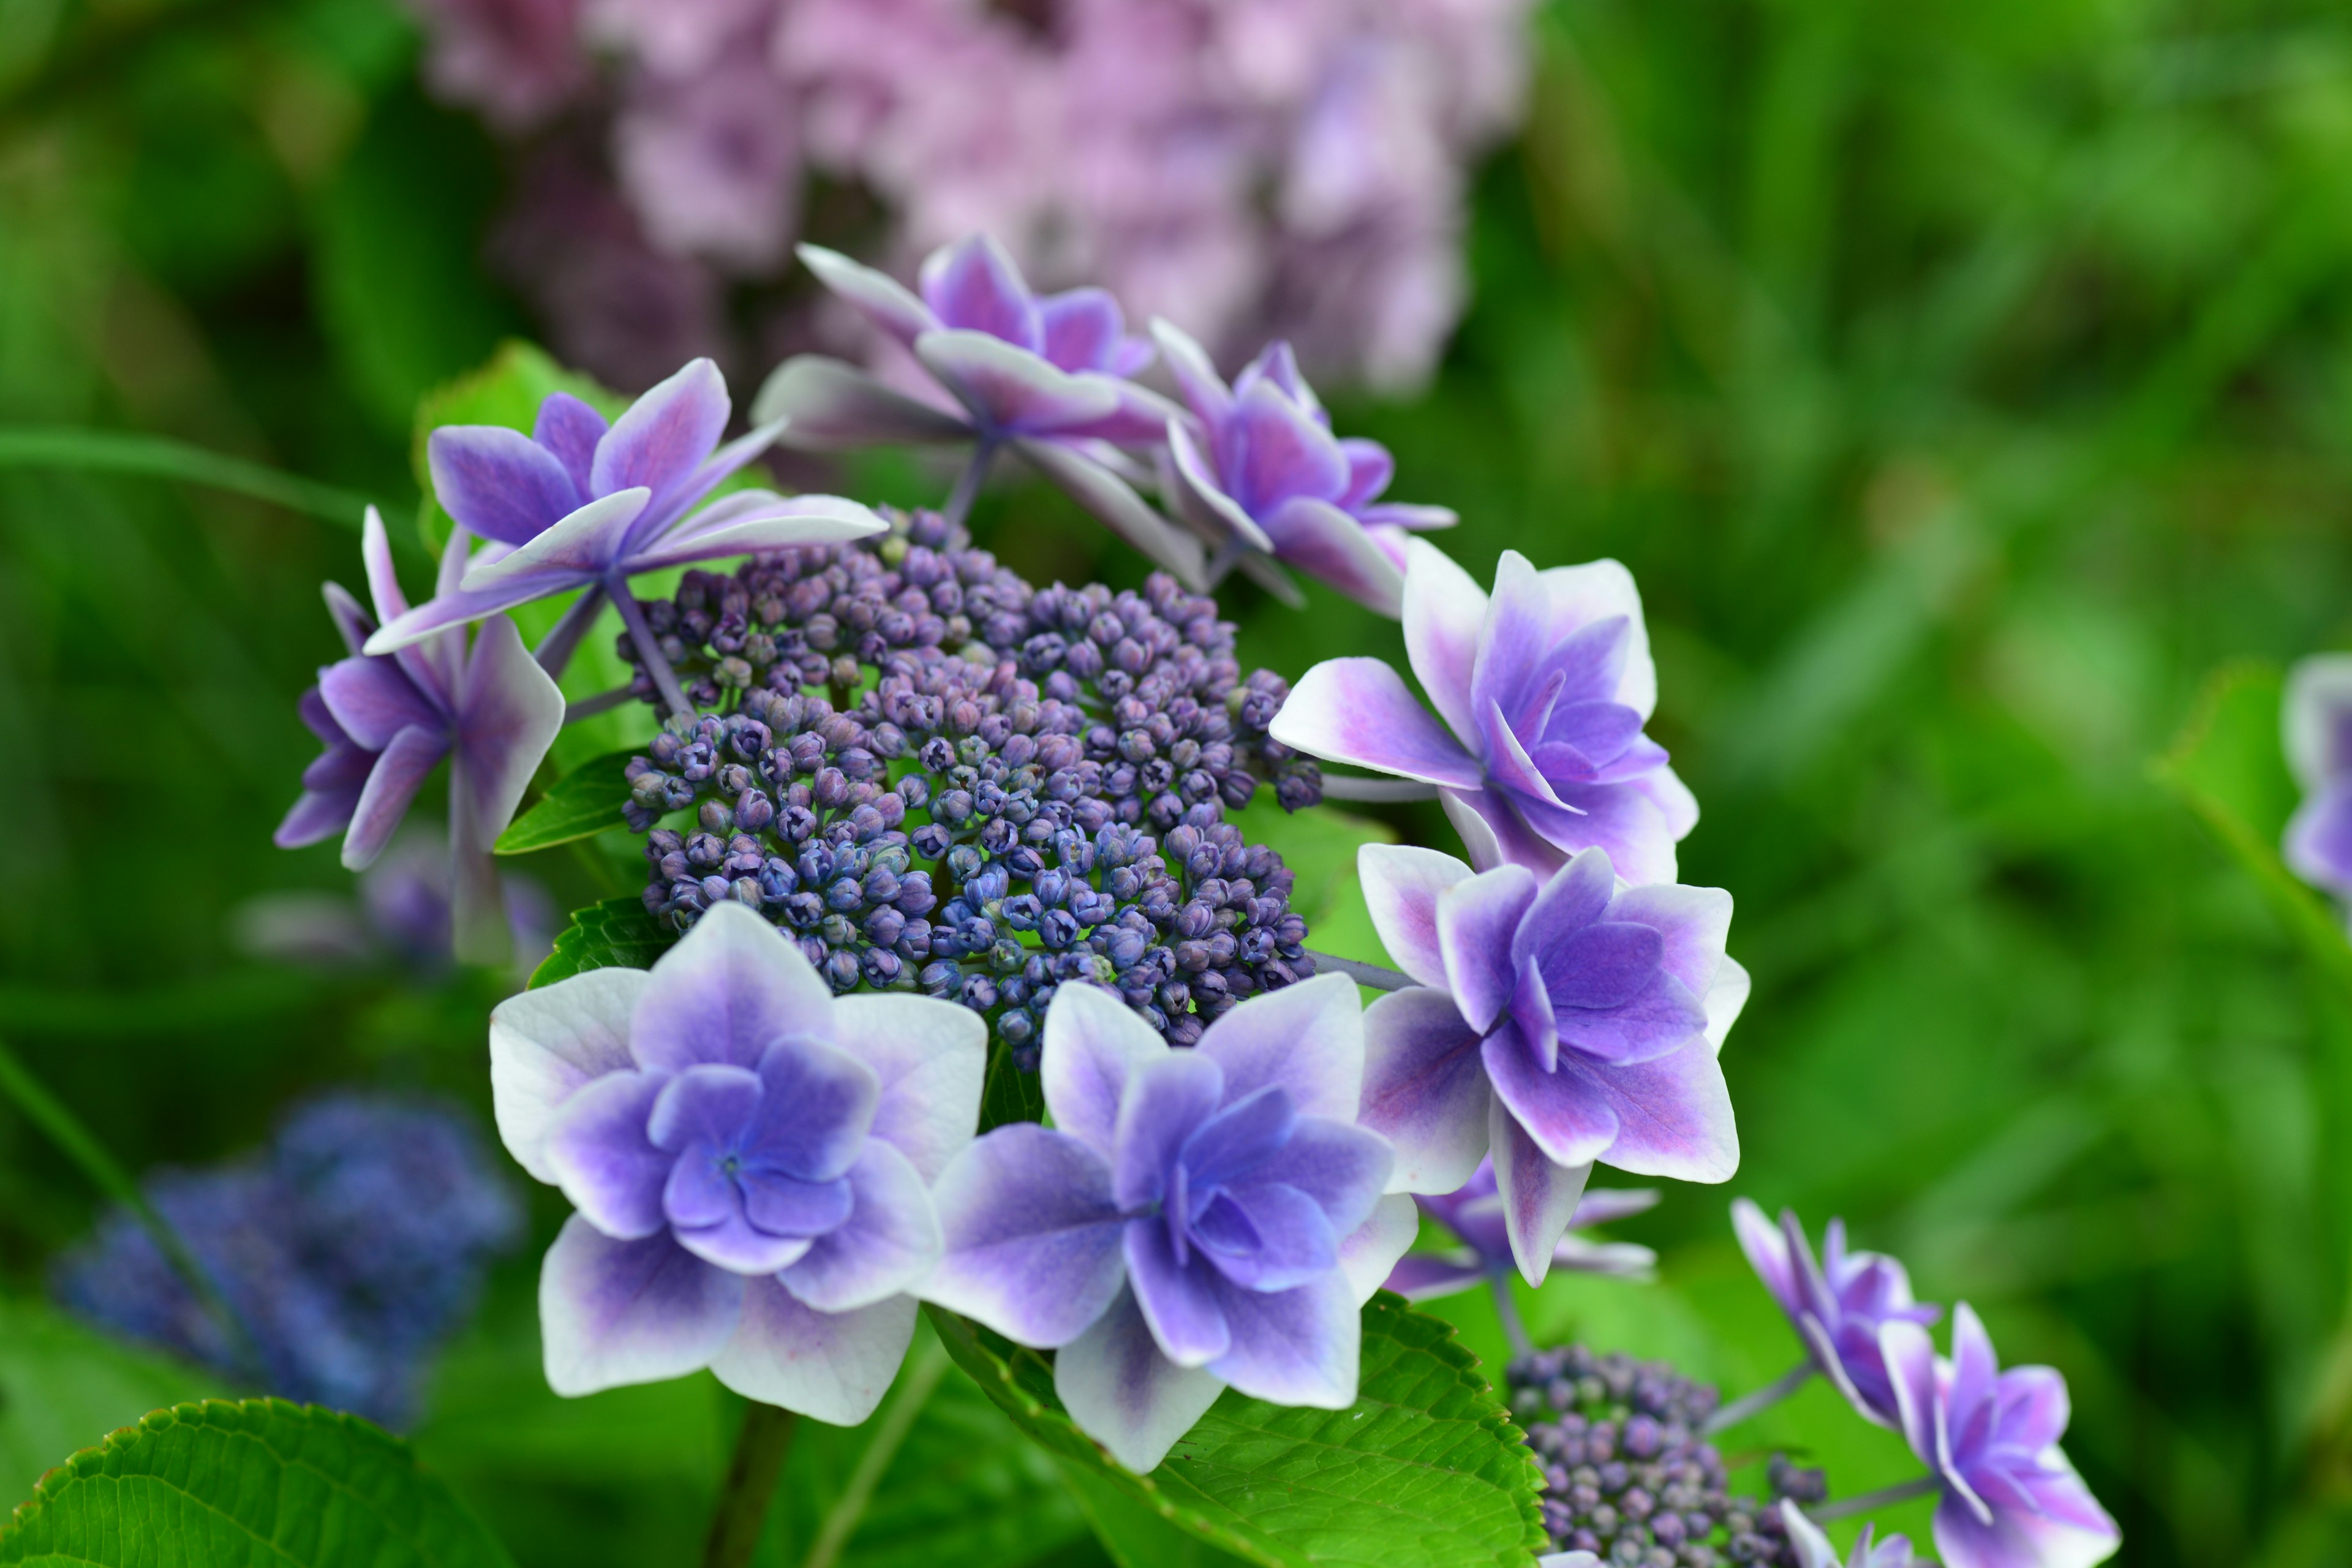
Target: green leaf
x=160, y=456
x=63, y=1387
x=615, y=934
x=1424, y=1468
x=582, y=803
x=2229, y=767
x=506, y=391
x=252, y=1482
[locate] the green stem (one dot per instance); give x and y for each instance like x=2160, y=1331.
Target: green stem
x=924, y=1369
x=1759, y=1399
x=1885, y=1497
x=1514, y=1328
x=48, y=1113
x=743, y=1511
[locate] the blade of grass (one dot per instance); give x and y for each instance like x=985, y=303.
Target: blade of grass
x=159, y=456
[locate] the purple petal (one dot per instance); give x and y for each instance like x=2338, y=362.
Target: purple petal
x=1264, y=1236
x=1270, y=450
x=575, y=549
x=705, y=1104
x=446, y=610
x=1767, y=1252
x=1476, y=920
x=1123, y=1394
x=1975, y=1370
x=1342, y=1167
x=1494, y=833
x=569, y=429
x=1604, y=1205
x=784, y=1205
x=734, y=987
x=1571, y=899
x=755, y=520
x=2318, y=842
x=883, y=300
x=391, y=784
x=890, y=1242
x=1370, y=469
x=1444, y=612
x=833, y=1366
x=509, y=713
x=1031, y=1235
x=1307, y=1039
x=1401, y=884
x=1407, y=516
x=372, y=700
x=1655, y=1021
x=1637, y=822
x=1564, y=1112
x=546, y=1044
x=1009, y=389
x=615, y=1312
x=1093, y=1041
x=973, y=285
x=1426, y=1276
x=2034, y=1409
x=1082, y=329
x=1369, y=1254
x=1332, y=547
x=1230, y=1145
x=1538, y=1193
x=1277, y=365
x=318, y=815
x=499, y=483
x=663, y=438
x=827, y=405
x=1165, y=1099
x=816, y=1103
x=1178, y=1301
x=596, y=1145
x=1196, y=377
x=383, y=579
x=1300, y=1346
x=1910, y=1358
x=2019, y=1539
x=1141, y=416
x=1673, y=1113
x=929, y=1058
x=1358, y=710
x=351, y=623
x=738, y=1245
x=1114, y=503
x=1517, y=634
x=1693, y=923
x=1189, y=482
x=1425, y=1089
x=2313, y=719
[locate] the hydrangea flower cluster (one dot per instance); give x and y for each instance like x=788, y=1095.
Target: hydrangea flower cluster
x=1008, y=788
x=1133, y=141
x=1628, y=1475
x=347, y=1250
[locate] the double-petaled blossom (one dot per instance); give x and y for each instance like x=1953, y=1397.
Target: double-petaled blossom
x=2318, y=720
x=1555, y=1024
x=2010, y=1498
x=751, y=1159
x=1043, y=375
x=388, y=720
x=1545, y=687
x=1193, y=1219
x=1835, y=1305
x=1258, y=469
x=1813, y=1550
x=1475, y=1213
x=579, y=504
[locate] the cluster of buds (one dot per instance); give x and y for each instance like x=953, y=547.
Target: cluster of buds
x=1628, y=1476
x=937, y=777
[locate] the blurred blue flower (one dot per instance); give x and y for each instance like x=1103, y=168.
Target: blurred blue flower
x=348, y=1249
x=2317, y=721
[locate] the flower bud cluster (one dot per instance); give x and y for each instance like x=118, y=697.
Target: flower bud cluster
x=1044, y=803
x=1627, y=1476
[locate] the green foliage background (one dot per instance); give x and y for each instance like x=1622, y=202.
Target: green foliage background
x=1962, y=381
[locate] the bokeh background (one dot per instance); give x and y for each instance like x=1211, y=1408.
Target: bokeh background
x=1963, y=382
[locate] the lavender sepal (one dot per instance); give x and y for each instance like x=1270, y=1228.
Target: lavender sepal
x=1473, y=1212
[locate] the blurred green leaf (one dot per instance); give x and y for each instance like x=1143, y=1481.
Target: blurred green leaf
x=585, y=801
x=123, y=452
x=234, y=1483
x=63, y=1387
x=615, y=934
x=1426, y=1467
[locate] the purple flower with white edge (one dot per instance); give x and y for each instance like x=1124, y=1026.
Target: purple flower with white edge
x=2318, y=721
x=1562, y=1022
x=579, y=504
x=751, y=1158
x=1192, y=1219
x=1813, y=1549
x=1258, y=469
x=1045, y=375
x=1474, y=1212
x=1545, y=687
x=2010, y=1498
x=387, y=720
x=1836, y=1305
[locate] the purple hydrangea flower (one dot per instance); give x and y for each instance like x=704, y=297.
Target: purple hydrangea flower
x=1813, y=1549
x=1546, y=687
x=1474, y=1212
x=751, y=1159
x=1044, y=376
x=1193, y=1219
x=578, y=504
x=2010, y=1498
x=1564, y=1022
x=2318, y=721
x=388, y=720
x=1258, y=469
x=1835, y=1306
